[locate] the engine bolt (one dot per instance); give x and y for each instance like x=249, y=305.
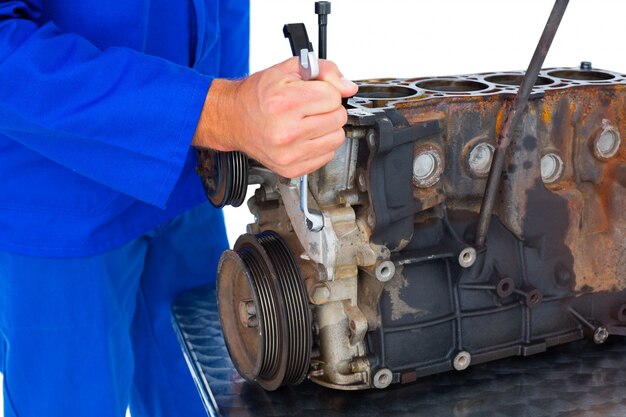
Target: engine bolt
x=250, y=307
x=383, y=378
x=248, y=313
x=361, y=181
x=427, y=167
x=462, y=360
x=371, y=138
x=480, y=159
x=600, y=335
x=321, y=294
x=607, y=143
x=551, y=168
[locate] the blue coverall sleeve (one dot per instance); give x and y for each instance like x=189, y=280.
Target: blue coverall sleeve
x=117, y=116
x=235, y=54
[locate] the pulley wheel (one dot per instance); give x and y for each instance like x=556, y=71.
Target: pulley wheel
x=224, y=176
x=264, y=311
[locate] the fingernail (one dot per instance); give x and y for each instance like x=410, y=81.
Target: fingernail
x=347, y=83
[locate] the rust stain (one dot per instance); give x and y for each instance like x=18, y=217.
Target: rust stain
x=546, y=116
x=417, y=118
x=500, y=119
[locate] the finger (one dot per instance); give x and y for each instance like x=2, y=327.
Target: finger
x=288, y=158
x=323, y=144
x=314, y=97
x=331, y=74
x=328, y=72
x=319, y=125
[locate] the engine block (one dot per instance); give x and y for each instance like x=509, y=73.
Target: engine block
x=393, y=287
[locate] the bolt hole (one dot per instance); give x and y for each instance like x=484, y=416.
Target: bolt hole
x=505, y=287
x=467, y=257
x=533, y=299
x=461, y=361
x=385, y=271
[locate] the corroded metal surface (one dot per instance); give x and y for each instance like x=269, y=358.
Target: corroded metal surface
x=568, y=112
x=576, y=380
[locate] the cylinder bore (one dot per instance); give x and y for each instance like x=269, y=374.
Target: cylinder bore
x=264, y=311
x=385, y=92
x=516, y=79
x=452, y=85
x=582, y=75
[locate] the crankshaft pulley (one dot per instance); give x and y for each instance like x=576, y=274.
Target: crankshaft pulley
x=264, y=311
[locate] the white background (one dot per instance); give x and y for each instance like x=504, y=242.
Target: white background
x=402, y=38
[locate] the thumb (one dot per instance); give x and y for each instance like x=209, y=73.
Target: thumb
x=331, y=74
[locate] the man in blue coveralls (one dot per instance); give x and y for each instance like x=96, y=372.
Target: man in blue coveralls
x=102, y=218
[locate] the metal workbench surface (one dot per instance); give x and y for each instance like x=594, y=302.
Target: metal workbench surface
x=579, y=379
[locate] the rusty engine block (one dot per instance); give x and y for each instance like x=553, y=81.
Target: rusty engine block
x=392, y=287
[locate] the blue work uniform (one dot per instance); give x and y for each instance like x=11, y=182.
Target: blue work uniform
x=102, y=217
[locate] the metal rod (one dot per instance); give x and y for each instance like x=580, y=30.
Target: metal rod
x=322, y=9
x=513, y=117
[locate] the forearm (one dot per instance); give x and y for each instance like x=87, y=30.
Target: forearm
x=217, y=121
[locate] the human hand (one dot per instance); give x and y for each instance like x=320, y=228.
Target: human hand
x=289, y=125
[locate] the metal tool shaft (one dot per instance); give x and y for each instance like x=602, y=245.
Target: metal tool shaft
x=513, y=118
x=322, y=9
x=309, y=70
